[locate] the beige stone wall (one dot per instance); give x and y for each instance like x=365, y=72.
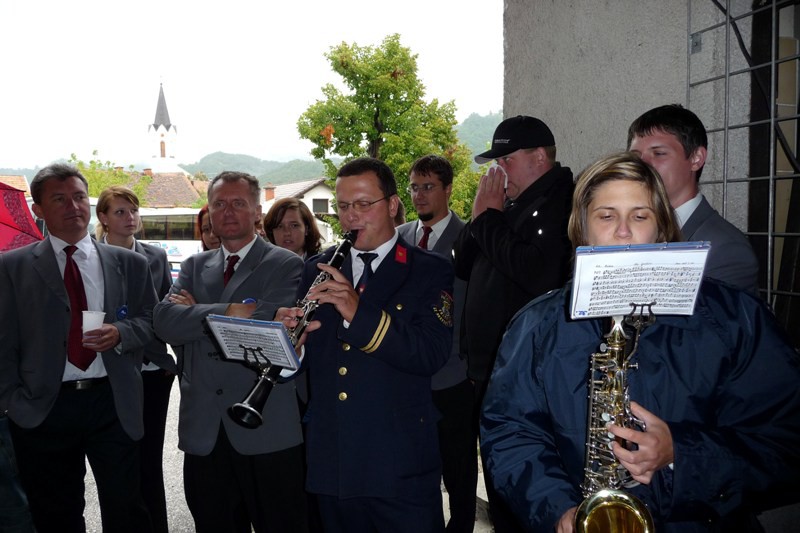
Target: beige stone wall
x=589, y=67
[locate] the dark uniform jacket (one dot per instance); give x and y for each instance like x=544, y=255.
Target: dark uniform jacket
x=510, y=257
x=724, y=380
x=371, y=422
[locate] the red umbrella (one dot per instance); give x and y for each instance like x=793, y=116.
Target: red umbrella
x=17, y=227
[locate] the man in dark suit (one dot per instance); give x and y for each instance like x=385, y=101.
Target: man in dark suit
x=673, y=140
x=514, y=249
x=373, y=458
x=235, y=478
x=431, y=184
x=72, y=396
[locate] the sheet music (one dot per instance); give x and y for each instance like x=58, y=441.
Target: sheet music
x=608, y=278
x=247, y=340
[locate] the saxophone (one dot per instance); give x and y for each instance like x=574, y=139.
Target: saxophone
x=247, y=413
x=606, y=506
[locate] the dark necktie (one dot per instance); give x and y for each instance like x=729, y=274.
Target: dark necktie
x=423, y=242
x=232, y=260
x=367, y=259
x=78, y=355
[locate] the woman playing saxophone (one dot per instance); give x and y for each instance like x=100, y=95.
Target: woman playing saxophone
x=716, y=391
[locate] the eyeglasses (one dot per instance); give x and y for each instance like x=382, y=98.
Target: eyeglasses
x=424, y=188
x=359, y=206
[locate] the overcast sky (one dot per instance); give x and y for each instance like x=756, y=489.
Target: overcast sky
x=84, y=75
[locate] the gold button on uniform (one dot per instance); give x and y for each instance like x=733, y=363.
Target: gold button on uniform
x=342, y=396
x=342, y=371
x=346, y=347
x=399, y=307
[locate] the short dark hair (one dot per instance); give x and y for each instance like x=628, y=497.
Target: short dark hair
x=436, y=165
x=386, y=180
x=57, y=171
x=676, y=120
x=230, y=176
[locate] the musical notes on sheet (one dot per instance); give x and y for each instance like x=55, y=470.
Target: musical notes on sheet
x=608, y=278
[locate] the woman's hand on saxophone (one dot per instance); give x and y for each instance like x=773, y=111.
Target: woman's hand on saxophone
x=567, y=522
x=337, y=291
x=655, y=445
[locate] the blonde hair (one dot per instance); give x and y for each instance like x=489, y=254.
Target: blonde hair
x=626, y=166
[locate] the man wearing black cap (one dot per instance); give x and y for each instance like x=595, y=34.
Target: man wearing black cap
x=514, y=248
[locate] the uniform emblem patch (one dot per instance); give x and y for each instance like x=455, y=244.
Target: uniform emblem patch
x=401, y=254
x=444, y=311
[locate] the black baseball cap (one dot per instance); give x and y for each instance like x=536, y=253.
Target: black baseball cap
x=514, y=134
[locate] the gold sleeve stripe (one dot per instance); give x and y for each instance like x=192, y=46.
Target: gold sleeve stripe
x=380, y=333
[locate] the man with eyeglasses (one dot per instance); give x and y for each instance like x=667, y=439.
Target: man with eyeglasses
x=235, y=478
x=430, y=187
x=514, y=249
x=383, y=328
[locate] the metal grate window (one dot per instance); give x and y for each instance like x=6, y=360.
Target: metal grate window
x=743, y=81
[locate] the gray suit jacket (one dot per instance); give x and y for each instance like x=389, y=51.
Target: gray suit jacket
x=156, y=257
x=209, y=384
x=35, y=318
x=455, y=371
x=731, y=258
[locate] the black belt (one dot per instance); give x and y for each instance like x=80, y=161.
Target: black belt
x=83, y=384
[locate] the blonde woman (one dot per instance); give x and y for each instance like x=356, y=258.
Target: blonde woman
x=118, y=212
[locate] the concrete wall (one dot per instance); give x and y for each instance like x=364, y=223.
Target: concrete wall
x=589, y=67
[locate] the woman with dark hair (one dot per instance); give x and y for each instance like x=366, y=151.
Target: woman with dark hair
x=118, y=212
x=207, y=237
x=290, y=224
x=716, y=390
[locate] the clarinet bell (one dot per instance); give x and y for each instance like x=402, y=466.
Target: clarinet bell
x=244, y=415
x=247, y=413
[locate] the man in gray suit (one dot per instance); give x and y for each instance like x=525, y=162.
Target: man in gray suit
x=673, y=140
x=430, y=186
x=73, y=396
x=235, y=478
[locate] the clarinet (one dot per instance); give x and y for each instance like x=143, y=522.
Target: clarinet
x=310, y=306
x=247, y=413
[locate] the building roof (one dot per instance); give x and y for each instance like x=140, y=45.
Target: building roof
x=162, y=115
x=18, y=182
x=297, y=189
x=168, y=189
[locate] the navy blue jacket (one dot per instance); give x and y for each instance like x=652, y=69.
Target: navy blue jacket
x=371, y=422
x=725, y=380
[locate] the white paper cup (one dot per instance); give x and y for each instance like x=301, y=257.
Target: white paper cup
x=93, y=320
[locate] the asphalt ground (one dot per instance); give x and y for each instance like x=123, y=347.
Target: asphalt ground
x=180, y=520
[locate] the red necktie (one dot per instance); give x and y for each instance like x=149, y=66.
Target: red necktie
x=366, y=258
x=232, y=260
x=423, y=242
x=76, y=353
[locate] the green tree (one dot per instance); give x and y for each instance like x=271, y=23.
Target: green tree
x=384, y=115
x=104, y=174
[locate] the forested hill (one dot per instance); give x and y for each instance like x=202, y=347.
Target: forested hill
x=476, y=132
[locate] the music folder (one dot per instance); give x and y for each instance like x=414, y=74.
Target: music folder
x=253, y=341
x=609, y=278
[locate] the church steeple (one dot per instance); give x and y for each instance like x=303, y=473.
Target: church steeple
x=162, y=115
x=164, y=131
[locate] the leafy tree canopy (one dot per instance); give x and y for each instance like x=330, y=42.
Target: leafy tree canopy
x=104, y=174
x=384, y=115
